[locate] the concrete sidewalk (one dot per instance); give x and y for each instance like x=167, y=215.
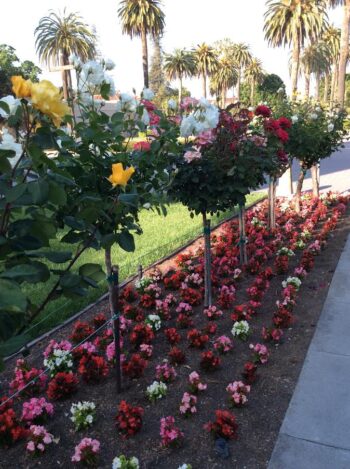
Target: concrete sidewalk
x=315, y=433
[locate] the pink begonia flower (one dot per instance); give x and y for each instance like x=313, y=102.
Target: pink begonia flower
x=30, y=446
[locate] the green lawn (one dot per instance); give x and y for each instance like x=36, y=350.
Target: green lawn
x=161, y=235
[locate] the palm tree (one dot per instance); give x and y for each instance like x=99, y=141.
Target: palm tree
x=207, y=62
x=180, y=64
x=292, y=22
x=60, y=35
x=331, y=37
x=242, y=56
x=344, y=46
x=314, y=60
x=139, y=18
x=224, y=77
x=254, y=75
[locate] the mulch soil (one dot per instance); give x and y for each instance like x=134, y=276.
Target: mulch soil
x=258, y=422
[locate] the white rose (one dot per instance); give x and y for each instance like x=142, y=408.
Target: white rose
x=109, y=64
x=172, y=104
x=9, y=143
x=294, y=119
x=188, y=126
x=145, y=117
x=147, y=94
x=330, y=127
x=313, y=116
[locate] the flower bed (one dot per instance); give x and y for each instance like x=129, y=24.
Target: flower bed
x=256, y=362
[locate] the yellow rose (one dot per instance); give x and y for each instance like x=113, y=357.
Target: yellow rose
x=47, y=99
x=120, y=176
x=21, y=87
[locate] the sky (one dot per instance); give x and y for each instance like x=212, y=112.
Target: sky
x=188, y=23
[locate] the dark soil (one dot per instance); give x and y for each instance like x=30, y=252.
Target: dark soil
x=259, y=421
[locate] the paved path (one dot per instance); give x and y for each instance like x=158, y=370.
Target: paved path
x=315, y=433
x=335, y=172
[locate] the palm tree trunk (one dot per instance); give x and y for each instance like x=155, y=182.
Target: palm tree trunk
x=326, y=88
x=144, y=58
x=204, y=84
x=252, y=92
x=317, y=87
x=223, y=98
x=295, y=64
x=180, y=91
x=307, y=85
x=238, y=87
x=334, y=81
x=344, y=52
x=64, y=78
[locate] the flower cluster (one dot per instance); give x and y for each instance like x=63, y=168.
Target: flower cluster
x=157, y=390
x=195, y=383
x=294, y=281
x=38, y=438
x=10, y=429
x=240, y=329
x=31, y=380
x=172, y=335
x=238, y=393
x=197, y=339
x=36, y=410
x=62, y=385
x=169, y=433
x=165, y=373
x=128, y=419
x=122, y=462
x=261, y=353
x=224, y=425
x=212, y=313
x=134, y=367
x=209, y=361
x=188, y=404
x=93, y=368
x=83, y=414
x=59, y=360
x=176, y=356
x=86, y=452
x=223, y=344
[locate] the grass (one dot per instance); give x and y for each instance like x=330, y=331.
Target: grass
x=161, y=236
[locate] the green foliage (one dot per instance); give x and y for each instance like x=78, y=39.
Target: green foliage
x=10, y=65
x=316, y=132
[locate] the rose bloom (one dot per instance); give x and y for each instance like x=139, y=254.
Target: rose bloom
x=142, y=146
x=189, y=156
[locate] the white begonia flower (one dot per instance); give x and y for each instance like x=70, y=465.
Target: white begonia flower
x=172, y=104
x=145, y=117
x=313, y=116
x=330, y=127
x=9, y=143
x=294, y=119
x=147, y=94
x=12, y=103
x=188, y=126
x=318, y=109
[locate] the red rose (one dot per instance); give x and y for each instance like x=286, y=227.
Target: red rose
x=263, y=111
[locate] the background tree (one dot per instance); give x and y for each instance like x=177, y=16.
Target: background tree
x=10, y=65
x=314, y=60
x=207, y=62
x=242, y=57
x=344, y=46
x=179, y=65
x=224, y=78
x=331, y=38
x=140, y=18
x=60, y=35
x=157, y=80
x=254, y=75
x=293, y=22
